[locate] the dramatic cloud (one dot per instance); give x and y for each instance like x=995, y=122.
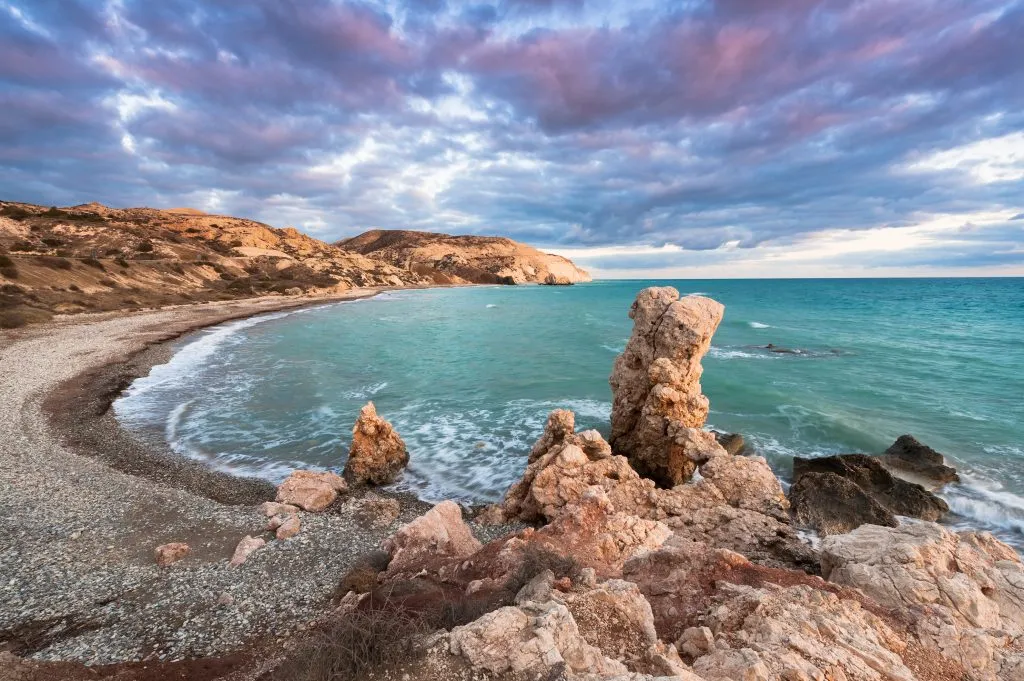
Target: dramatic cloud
x=713, y=137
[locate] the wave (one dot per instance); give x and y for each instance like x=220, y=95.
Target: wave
x=758, y=325
x=734, y=353
x=697, y=293
x=365, y=391
x=489, y=305
x=617, y=349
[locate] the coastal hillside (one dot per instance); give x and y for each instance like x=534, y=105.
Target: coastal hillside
x=94, y=258
x=447, y=259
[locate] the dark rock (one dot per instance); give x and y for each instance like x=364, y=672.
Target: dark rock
x=832, y=504
x=910, y=456
x=731, y=442
x=896, y=495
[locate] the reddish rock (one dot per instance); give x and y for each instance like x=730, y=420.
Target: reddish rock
x=245, y=548
x=166, y=554
x=289, y=527
x=377, y=454
x=438, y=534
x=311, y=491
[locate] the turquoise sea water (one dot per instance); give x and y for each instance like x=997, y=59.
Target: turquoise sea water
x=469, y=375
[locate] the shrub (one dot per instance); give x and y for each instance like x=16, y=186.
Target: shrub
x=5, y=261
x=65, y=253
x=123, y=262
x=176, y=267
x=55, y=263
x=15, y=212
x=74, y=287
x=55, y=212
x=93, y=262
x=23, y=246
x=9, y=272
x=9, y=319
x=145, y=247
x=53, y=242
x=11, y=290
x=112, y=251
x=109, y=283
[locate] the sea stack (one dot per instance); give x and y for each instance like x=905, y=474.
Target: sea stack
x=658, y=410
x=378, y=454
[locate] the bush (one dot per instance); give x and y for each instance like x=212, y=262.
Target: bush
x=109, y=283
x=93, y=262
x=53, y=242
x=55, y=212
x=74, y=287
x=11, y=290
x=55, y=263
x=112, y=251
x=65, y=253
x=145, y=247
x=5, y=261
x=123, y=262
x=23, y=246
x=9, y=272
x=15, y=212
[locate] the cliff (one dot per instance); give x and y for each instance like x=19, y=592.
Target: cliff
x=447, y=259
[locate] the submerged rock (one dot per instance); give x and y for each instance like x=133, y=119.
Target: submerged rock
x=831, y=504
x=919, y=461
x=894, y=494
x=733, y=443
x=377, y=454
x=658, y=409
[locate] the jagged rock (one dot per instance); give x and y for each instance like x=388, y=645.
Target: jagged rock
x=733, y=443
x=658, y=408
x=898, y=496
x=696, y=641
x=530, y=639
x=555, y=280
x=965, y=591
x=919, y=461
x=617, y=619
x=310, y=490
x=289, y=527
x=831, y=504
x=246, y=548
x=438, y=534
x=377, y=454
x=168, y=554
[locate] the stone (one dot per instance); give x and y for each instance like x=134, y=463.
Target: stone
x=918, y=461
x=310, y=490
x=657, y=404
x=378, y=454
x=438, y=534
x=696, y=641
x=375, y=510
x=272, y=508
x=732, y=443
x=289, y=527
x=246, y=548
x=898, y=496
x=615, y=617
x=831, y=504
x=168, y=554
x=555, y=280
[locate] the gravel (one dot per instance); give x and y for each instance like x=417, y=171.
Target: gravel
x=77, y=534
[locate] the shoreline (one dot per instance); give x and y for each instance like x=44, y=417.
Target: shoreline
x=90, y=502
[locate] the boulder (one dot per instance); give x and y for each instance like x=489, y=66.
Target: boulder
x=920, y=462
x=555, y=280
x=964, y=592
x=272, y=508
x=377, y=454
x=896, y=495
x=289, y=527
x=615, y=617
x=657, y=405
x=246, y=548
x=440, y=534
x=168, y=554
x=733, y=443
x=831, y=504
x=310, y=490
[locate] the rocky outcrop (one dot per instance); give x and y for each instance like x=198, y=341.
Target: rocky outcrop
x=831, y=504
x=866, y=472
x=732, y=443
x=658, y=409
x=963, y=591
x=168, y=554
x=438, y=535
x=310, y=490
x=919, y=462
x=555, y=280
x=378, y=454
x=448, y=259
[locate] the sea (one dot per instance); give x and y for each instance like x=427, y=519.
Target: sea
x=468, y=376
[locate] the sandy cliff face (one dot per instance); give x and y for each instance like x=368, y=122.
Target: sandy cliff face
x=465, y=259
x=94, y=258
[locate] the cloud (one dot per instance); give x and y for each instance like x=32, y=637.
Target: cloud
x=724, y=131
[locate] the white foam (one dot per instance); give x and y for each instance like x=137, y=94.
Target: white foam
x=490, y=305
x=365, y=391
x=758, y=325
x=733, y=353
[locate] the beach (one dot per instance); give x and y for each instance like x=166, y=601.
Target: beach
x=79, y=533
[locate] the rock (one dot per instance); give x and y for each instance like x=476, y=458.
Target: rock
x=272, y=508
x=289, y=528
x=538, y=589
x=438, y=534
x=832, y=504
x=377, y=454
x=167, y=554
x=696, y=641
x=658, y=408
x=964, y=591
x=733, y=443
x=225, y=599
x=276, y=522
x=898, y=496
x=528, y=640
x=617, y=619
x=555, y=280
x=919, y=461
x=375, y=510
x=245, y=548
x=310, y=490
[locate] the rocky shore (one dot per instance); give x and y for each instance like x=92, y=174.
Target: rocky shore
x=657, y=555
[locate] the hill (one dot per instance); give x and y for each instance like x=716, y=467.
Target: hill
x=94, y=258
x=447, y=259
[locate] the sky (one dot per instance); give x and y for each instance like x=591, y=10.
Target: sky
x=682, y=138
